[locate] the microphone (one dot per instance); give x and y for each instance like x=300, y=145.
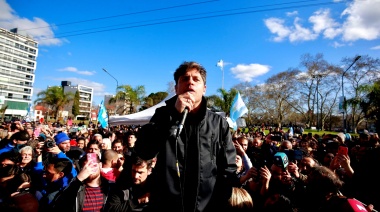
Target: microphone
x=180, y=126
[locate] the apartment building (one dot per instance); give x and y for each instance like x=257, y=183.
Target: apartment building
x=18, y=63
x=85, y=99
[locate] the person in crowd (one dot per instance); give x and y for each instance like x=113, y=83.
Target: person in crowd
x=88, y=191
x=240, y=201
x=242, y=160
x=54, y=177
x=134, y=194
x=81, y=142
x=130, y=143
x=94, y=146
x=117, y=145
x=17, y=139
x=112, y=165
x=323, y=191
x=196, y=166
x=26, y=162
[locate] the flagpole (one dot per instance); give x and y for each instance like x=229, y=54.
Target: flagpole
x=222, y=76
x=220, y=64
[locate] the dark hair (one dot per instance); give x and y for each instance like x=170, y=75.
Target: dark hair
x=22, y=135
x=62, y=165
x=139, y=161
x=185, y=66
x=96, y=142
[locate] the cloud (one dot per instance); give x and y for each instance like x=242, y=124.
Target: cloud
x=360, y=20
x=75, y=70
x=294, y=33
x=276, y=26
x=363, y=21
x=337, y=44
x=246, y=73
x=375, y=48
x=37, y=28
x=292, y=13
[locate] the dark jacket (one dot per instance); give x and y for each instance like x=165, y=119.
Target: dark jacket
x=72, y=197
x=126, y=200
x=206, y=159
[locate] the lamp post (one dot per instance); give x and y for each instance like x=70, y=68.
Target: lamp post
x=344, y=98
x=318, y=76
x=117, y=85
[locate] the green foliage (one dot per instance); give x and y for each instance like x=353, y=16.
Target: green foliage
x=153, y=99
x=128, y=94
x=54, y=98
x=223, y=102
x=75, y=108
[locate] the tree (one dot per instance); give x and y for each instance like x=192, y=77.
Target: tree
x=222, y=102
x=371, y=103
x=128, y=95
x=2, y=111
x=280, y=92
x=54, y=98
x=364, y=73
x=153, y=99
x=75, y=108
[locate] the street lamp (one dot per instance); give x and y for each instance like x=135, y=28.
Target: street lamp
x=344, y=98
x=318, y=76
x=117, y=85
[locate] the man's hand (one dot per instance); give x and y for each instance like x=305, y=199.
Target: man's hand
x=185, y=100
x=293, y=169
x=89, y=168
x=55, y=150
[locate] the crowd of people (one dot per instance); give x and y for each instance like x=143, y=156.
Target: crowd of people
x=186, y=159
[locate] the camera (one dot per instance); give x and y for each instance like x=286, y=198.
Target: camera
x=293, y=154
x=276, y=138
x=49, y=143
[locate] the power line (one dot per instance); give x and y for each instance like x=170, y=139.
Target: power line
x=117, y=16
x=220, y=11
x=195, y=18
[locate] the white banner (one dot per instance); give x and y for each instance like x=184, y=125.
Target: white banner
x=2, y=100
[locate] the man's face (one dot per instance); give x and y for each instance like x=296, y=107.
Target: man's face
x=306, y=164
x=118, y=147
x=278, y=173
x=26, y=156
x=131, y=140
x=64, y=146
x=243, y=142
x=50, y=174
x=193, y=83
x=80, y=144
x=140, y=173
x=93, y=148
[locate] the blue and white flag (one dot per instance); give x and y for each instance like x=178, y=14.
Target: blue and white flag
x=238, y=109
x=103, y=115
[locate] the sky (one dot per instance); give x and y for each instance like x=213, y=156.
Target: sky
x=143, y=42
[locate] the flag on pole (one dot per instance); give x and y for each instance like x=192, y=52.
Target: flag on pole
x=238, y=109
x=103, y=116
x=220, y=64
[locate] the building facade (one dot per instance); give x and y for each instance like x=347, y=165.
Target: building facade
x=85, y=100
x=18, y=63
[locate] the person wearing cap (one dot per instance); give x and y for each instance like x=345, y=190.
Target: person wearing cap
x=17, y=139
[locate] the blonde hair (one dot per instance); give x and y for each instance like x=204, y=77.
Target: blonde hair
x=240, y=200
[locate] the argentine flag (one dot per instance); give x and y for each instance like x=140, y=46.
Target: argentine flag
x=103, y=116
x=238, y=109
